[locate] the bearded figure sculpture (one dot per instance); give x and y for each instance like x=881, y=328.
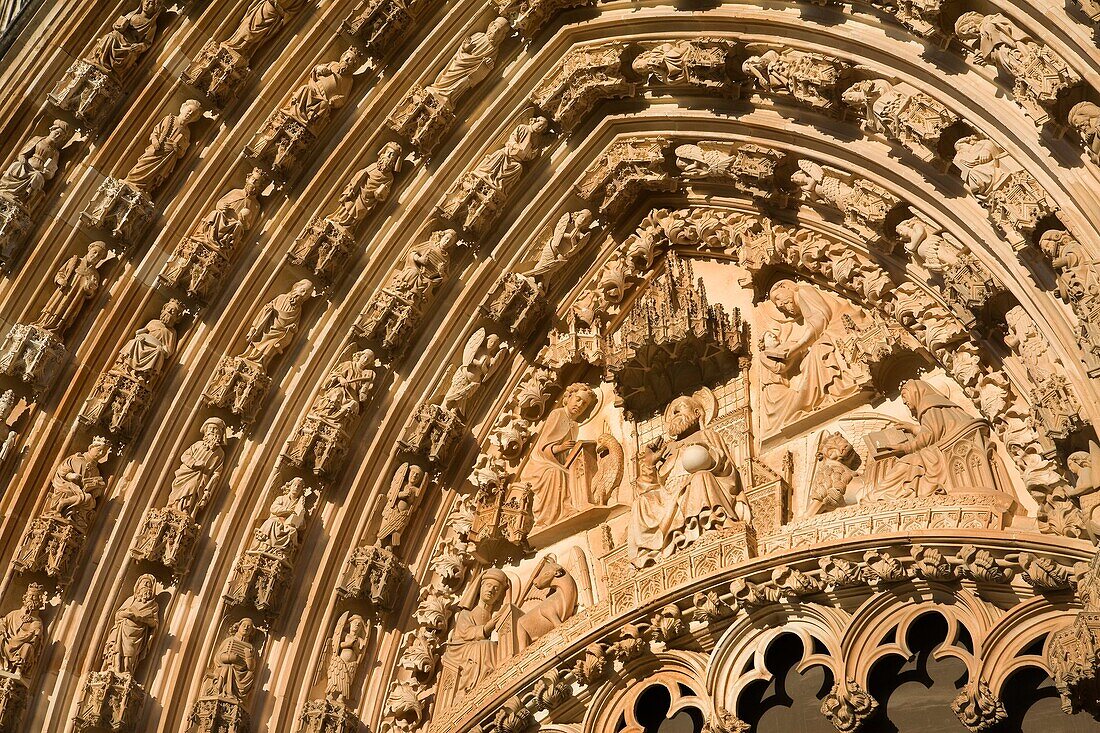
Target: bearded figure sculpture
x=688, y=484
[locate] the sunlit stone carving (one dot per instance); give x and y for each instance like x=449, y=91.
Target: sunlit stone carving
x=92, y=85
x=227, y=683
x=320, y=442
x=483, y=354
x=374, y=574
x=474, y=201
x=803, y=365
x=201, y=260
x=1056, y=406
x=240, y=383
x=427, y=113
x=864, y=204
x=491, y=603
x=378, y=24
x=967, y=283
x=431, y=432
x=1015, y=200
x=121, y=395
x=947, y=452
x=582, y=78
x=22, y=636
x=625, y=169
x=809, y=78
x=395, y=310
x=1078, y=280
x=261, y=573
x=672, y=340
x=23, y=183
x=34, y=352
x=901, y=112
x=751, y=167
x=528, y=16
x=124, y=207
x=288, y=134
x=1073, y=652
x=326, y=245
x=54, y=539
x=335, y=714
x=221, y=69
x=1039, y=76
x=700, y=63
x=688, y=485
x=112, y=698
x=168, y=533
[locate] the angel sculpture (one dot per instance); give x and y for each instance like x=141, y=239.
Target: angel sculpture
x=481, y=357
x=571, y=232
x=348, y=643
x=406, y=489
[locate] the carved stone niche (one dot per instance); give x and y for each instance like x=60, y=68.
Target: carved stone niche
x=423, y=118
x=217, y=72
x=217, y=715
x=32, y=354
x=920, y=16
x=583, y=77
x=111, y=701
x=516, y=303
x=811, y=79
x=326, y=716
x=750, y=167
x=1073, y=653
x=373, y=574
x=166, y=536
x=701, y=63
x=15, y=224
x=528, y=16
x=1090, y=8
x=120, y=209
x=503, y=519
x=90, y=94
x=13, y=700
x=378, y=24
x=280, y=145
x=628, y=167
x=237, y=385
x=431, y=433
x=900, y=112
x=262, y=572
x=324, y=247
x=672, y=341
x=865, y=205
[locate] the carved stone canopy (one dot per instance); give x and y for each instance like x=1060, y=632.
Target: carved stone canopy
x=671, y=341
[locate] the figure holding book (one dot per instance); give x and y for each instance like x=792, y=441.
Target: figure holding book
x=557, y=467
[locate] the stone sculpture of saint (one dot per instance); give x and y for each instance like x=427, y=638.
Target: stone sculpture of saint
x=368, y=188
x=804, y=368
x=35, y=164
x=345, y=654
x=425, y=266
x=570, y=233
x=261, y=20
x=979, y=162
x=200, y=470
x=76, y=486
x=480, y=358
x=135, y=622
x=484, y=636
x=1085, y=466
x=1077, y=273
x=145, y=354
x=471, y=64
x=500, y=168
x=287, y=514
x=347, y=385
x=77, y=282
x=276, y=325
x=233, y=672
x=688, y=485
x=555, y=486
x=168, y=143
x=131, y=35
x=918, y=465
x=233, y=215
x=22, y=632
x=406, y=489
x=326, y=91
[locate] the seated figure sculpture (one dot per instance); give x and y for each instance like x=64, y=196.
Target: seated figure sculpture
x=947, y=452
x=687, y=486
